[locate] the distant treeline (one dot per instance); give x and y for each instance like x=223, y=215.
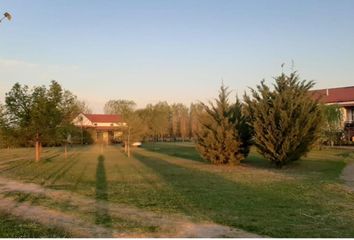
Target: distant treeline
x=160, y=121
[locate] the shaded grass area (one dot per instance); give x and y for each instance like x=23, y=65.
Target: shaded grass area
x=12, y=227
x=179, y=149
x=305, y=199
x=291, y=208
x=102, y=212
x=324, y=165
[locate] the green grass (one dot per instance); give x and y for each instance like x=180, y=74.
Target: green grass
x=11, y=227
x=304, y=199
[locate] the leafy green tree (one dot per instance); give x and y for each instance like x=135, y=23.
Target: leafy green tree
x=218, y=141
x=161, y=119
x=39, y=116
x=157, y=119
x=18, y=104
x=134, y=130
x=286, y=121
x=195, y=112
x=332, y=130
x=179, y=121
x=147, y=116
x=121, y=107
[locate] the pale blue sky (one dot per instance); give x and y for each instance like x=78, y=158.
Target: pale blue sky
x=176, y=51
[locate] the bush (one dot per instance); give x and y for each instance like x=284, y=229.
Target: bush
x=219, y=141
x=286, y=121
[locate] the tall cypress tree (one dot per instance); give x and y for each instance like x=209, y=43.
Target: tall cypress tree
x=286, y=120
x=242, y=125
x=218, y=140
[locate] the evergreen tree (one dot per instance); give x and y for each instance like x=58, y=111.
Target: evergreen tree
x=242, y=125
x=218, y=140
x=286, y=120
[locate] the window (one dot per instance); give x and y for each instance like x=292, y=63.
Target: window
x=351, y=115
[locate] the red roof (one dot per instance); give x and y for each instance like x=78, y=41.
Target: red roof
x=335, y=95
x=103, y=118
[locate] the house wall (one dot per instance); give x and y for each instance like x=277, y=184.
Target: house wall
x=345, y=115
x=105, y=137
x=81, y=119
x=111, y=124
x=350, y=114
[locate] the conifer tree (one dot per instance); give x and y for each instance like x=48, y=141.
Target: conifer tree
x=286, y=120
x=242, y=125
x=218, y=141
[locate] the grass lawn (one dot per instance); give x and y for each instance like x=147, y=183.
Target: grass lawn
x=11, y=227
x=304, y=199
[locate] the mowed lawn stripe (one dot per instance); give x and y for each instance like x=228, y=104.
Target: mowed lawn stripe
x=140, y=186
x=293, y=207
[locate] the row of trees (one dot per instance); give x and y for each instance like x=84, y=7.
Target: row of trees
x=158, y=122
x=283, y=121
x=38, y=116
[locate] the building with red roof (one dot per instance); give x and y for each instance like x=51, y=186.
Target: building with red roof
x=343, y=97
x=104, y=128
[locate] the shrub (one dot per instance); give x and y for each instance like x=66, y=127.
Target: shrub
x=286, y=121
x=218, y=140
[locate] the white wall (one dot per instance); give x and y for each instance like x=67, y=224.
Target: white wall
x=85, y=121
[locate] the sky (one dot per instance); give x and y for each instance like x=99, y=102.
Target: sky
x=173, y=50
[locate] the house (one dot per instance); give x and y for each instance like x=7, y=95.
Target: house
x=343, y=97
x=103, y=128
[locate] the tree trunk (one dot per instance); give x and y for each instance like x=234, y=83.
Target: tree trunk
x=40, y=149
x=65, y=151
x=37, y=147
x=37, y=151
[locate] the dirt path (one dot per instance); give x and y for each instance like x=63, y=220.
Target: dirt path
x=168, y=225
x=348, y=175
x=49, y=217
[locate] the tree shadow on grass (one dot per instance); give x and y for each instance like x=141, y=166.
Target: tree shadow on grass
x=102, y=210
x=176, y=150
x=50, y=158
x=257, y=161
x=264, y=209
